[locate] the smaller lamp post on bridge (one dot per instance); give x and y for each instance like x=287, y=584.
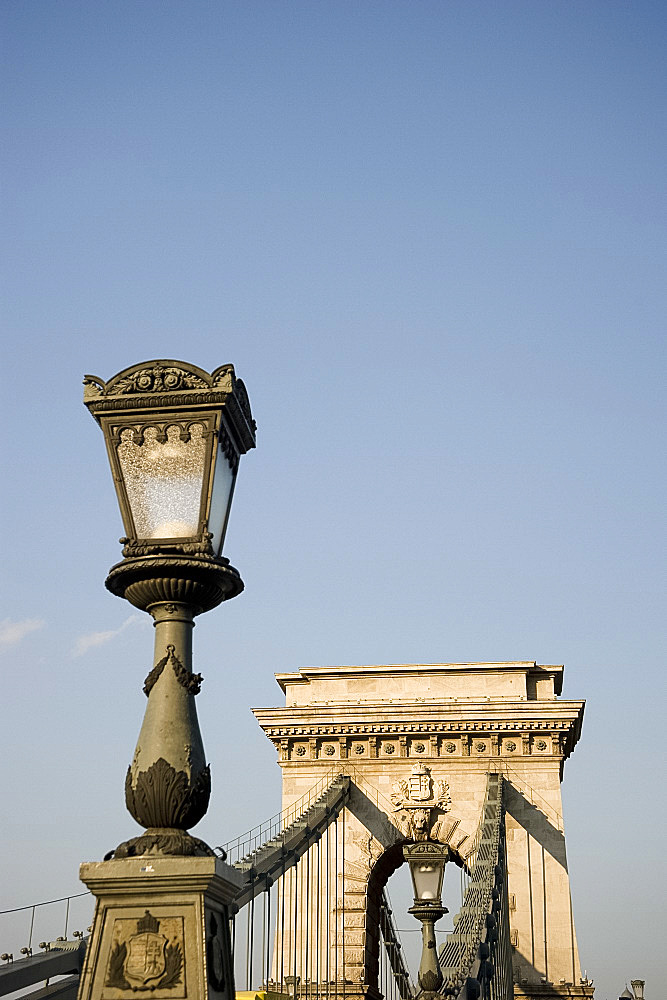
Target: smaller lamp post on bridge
x=174, y=435
x=292, y=983
x=427, y=861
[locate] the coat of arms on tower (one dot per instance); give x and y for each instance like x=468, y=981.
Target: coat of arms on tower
x=416, y=798
x=147, y=959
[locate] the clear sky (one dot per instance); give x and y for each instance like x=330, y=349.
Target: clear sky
x=430, y=236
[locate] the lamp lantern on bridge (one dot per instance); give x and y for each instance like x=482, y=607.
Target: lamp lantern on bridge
x=292, y=983
x=427, y=861
x=427, y=870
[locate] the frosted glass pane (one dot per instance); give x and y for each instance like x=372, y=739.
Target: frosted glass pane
x=428, y=879
x=163, y=481
x=223, y=481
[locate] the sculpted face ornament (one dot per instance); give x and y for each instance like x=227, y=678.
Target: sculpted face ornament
x=420, y=819
x=416, y=799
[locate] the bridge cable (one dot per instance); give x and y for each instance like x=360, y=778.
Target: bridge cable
x=328, y=956
x=336, y=906
x=295, y=897
x=303, y=913
x=248, y=953
x=343, y=896
x=282, y=928
x=307, y=911
x=262, y=957
x=267, y=911
x=317, y=918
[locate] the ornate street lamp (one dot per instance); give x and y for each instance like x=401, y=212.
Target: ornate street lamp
x=174, y=436
x=427, y=867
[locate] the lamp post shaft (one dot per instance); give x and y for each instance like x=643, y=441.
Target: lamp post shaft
x=430, y=976
x=173, y=625
x=168, y=783
x=170, y=728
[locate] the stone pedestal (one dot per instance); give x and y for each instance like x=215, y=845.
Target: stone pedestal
x=161, y=928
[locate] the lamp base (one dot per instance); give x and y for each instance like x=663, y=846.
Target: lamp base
x=161, y=926
x=162, y=842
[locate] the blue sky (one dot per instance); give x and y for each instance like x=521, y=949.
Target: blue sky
x=430, y=237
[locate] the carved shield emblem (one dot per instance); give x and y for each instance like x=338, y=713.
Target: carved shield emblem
x=420, y=784
x=145, y=960
x=147, y=954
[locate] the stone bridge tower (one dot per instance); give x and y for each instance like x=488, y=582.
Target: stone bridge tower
x=450, y=724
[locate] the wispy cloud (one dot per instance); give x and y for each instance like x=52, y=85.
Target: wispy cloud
x=92, y=639
x=12, y=632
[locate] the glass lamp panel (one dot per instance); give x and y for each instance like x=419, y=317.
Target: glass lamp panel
x=221, y=498
x=427, y=879
x=163, y=480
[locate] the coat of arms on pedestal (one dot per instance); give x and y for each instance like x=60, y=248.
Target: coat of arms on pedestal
x=151, y=958
x=416, y=799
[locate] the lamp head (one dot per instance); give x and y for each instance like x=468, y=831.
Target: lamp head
x=174, y=435
x=427, y=861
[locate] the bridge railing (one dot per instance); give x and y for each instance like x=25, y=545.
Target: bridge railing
x=43, y=940
x=50, y=920
x=247, y=843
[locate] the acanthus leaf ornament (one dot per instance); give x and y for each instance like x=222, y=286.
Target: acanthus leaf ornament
x=166, y=798
x=115, y=973
x=400, y=793
x=162, y=842
x=159, y=378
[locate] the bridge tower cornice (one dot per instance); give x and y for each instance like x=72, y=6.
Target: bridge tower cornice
x=437, y=729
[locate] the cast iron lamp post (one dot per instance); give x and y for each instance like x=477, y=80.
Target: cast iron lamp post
x=174, y=436
x=427, y=866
